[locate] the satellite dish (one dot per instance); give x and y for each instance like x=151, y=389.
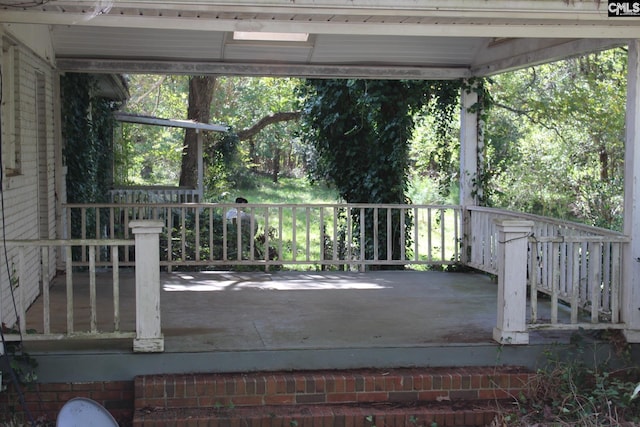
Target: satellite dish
x=83, y=412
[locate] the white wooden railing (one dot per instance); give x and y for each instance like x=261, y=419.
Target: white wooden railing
x=75, y=313
x=577, y=267
x=326, y=235
x=154, y=194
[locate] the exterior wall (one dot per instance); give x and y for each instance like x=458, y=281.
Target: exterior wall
x=28, y=191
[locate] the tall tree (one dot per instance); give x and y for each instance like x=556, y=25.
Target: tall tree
x=556, y=138
x=360, y=132
x=200, y=97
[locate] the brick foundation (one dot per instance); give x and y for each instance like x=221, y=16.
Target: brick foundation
x=355, y=398
x=351, y=398
x=44, y=401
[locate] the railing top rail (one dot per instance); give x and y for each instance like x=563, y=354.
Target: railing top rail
x=554, y=221
x=70, y=242
x=152, y=187
x=260, y=205
x=579, y=239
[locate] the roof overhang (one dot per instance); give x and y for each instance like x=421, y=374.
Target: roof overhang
x=176, y=123
x=424, y=39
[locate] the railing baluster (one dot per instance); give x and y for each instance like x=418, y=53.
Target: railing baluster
x=575, y=282
x=443, y=233
x=83, y=232
x=46, y=298
x=322, y=238
x=335, y=233
x=252, y=233
x=555, y=280
x=362, y=239
x=376, y=235
x=294, y=247
x=533, y=280
x=115, y=268
x=22, y=285
x=616, y=261
x=308, y=233
x=584, y=276
x=267, y=257
x=389, y=235
x=93, y=319
x=349, y=242
x=606, y=277
x=456, y=234
x=183, y=233
x=225, y=237
x=196, y=214
x=595, y=276
x=429, y=234
x=416, y=234
x=69, y=277
x=281, y=237
x=403, y=236
x=211, y=246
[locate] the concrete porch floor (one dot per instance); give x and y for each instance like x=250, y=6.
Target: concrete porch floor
x=237, y=321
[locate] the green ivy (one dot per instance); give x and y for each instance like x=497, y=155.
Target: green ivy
x=87, y=132
x=359, y=131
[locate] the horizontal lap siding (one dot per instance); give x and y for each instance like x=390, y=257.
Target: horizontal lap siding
x=20, y=191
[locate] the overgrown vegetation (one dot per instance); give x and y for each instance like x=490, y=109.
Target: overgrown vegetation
x=358, y=134
x=87, y=132
x=555, y=139
x=568, y=390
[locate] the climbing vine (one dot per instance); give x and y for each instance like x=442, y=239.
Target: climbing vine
x=359, y=132
x=87, y=133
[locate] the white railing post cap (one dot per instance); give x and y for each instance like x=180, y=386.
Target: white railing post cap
x=146, y=226
x=514, y=225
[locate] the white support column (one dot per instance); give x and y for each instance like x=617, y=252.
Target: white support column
x=148, y=330
x=630, y=292
x=469, y=146
x=512, y=242
x=200, y=185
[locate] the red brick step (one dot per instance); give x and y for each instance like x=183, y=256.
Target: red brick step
x=358, y=398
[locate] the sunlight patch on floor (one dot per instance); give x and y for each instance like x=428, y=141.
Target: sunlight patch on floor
x=180, y=282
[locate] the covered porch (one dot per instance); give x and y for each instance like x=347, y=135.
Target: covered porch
x=515, y=279
x=255, y=321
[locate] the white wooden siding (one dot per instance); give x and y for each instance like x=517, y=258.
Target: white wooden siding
x=21, y=219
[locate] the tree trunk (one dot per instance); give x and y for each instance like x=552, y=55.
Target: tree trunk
x=276, y=164
x=200, y=98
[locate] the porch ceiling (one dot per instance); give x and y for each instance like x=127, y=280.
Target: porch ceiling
x=347, y=38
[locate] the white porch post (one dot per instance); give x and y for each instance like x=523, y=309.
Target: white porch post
x=469, y=147
x=630, y=292
x=512, y=242
x=200, y=150
x=148, y=331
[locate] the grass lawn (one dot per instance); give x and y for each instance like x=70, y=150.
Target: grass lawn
x=287, y=190
x=306, y=242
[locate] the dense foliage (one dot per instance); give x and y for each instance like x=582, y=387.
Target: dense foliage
x=155, y=152
x=151, y=155
x=359, y=132
x=555, y=139
x=88, y=134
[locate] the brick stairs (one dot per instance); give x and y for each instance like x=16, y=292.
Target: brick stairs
x=412, y=397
